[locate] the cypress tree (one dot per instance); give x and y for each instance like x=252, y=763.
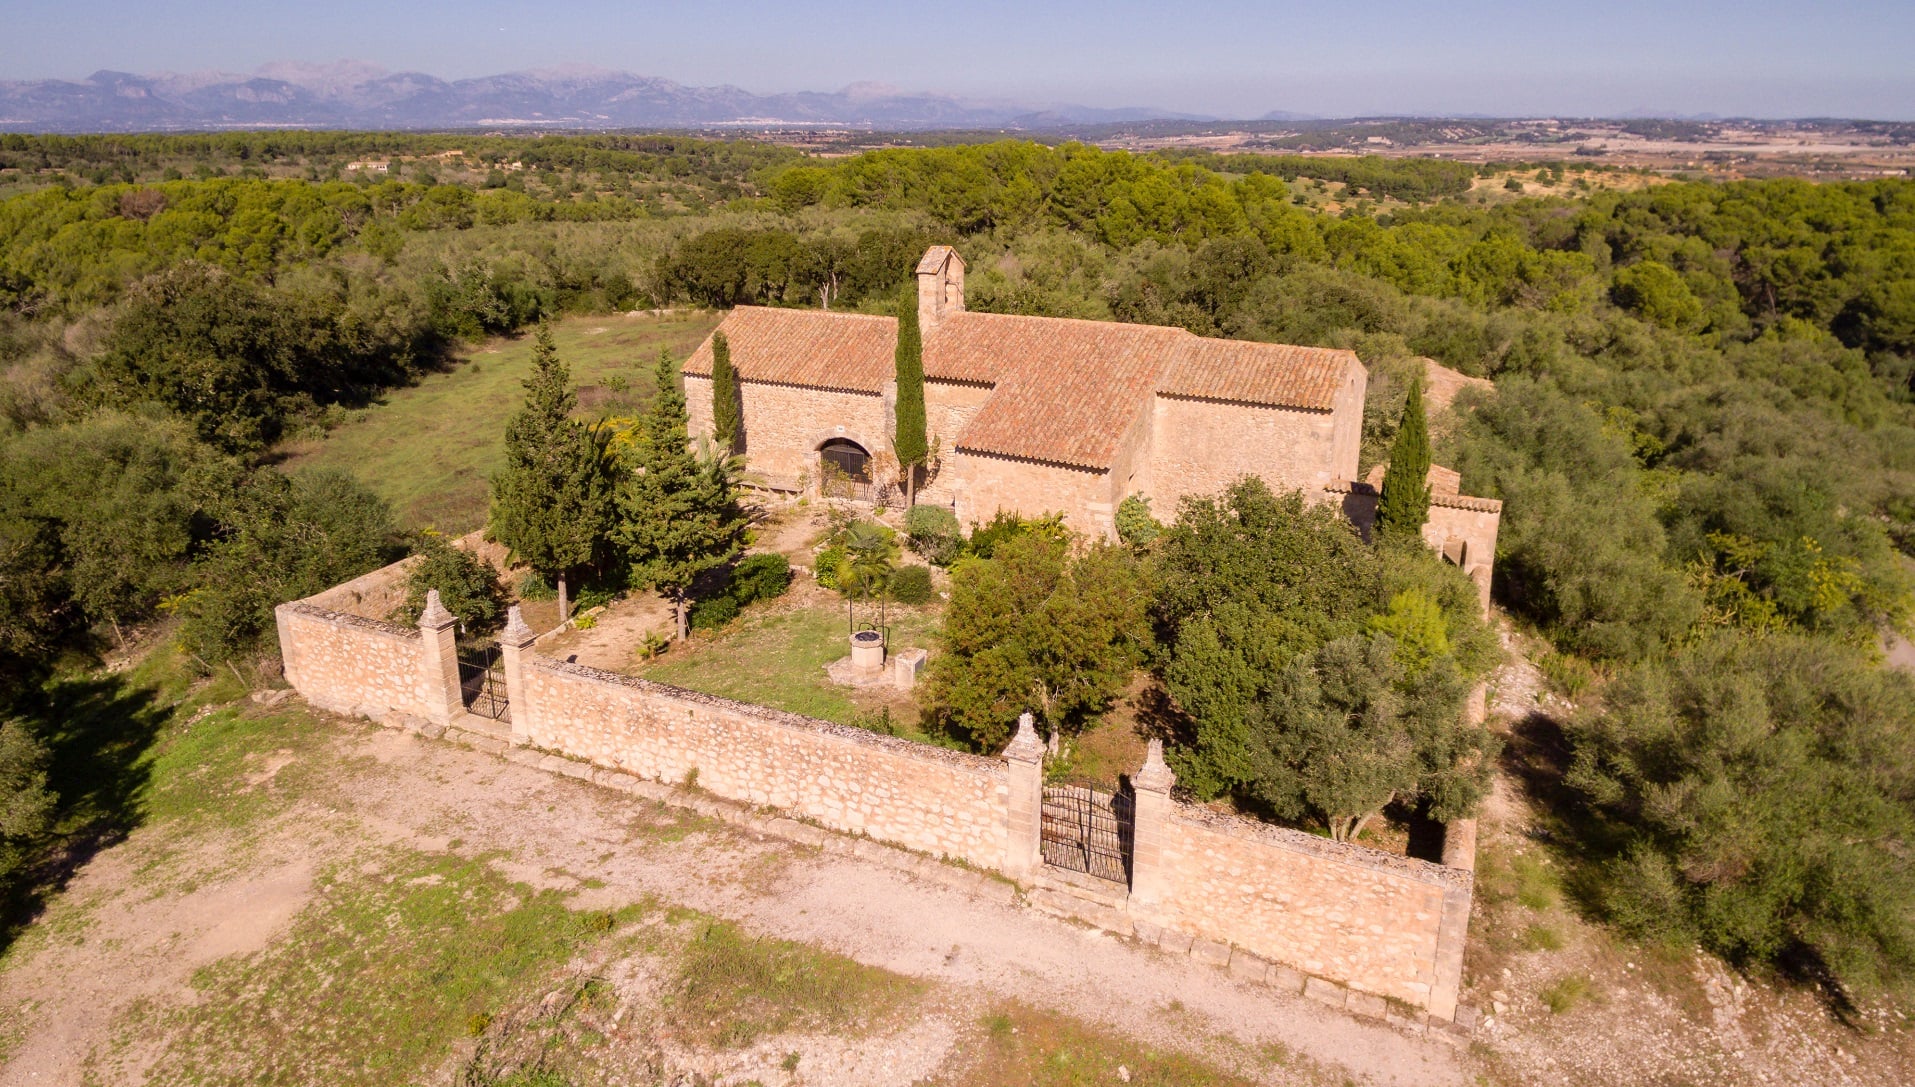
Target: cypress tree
x=552, y=502
x=678, y=515
x=1406, y=483
x=908, y=440
x=727, y=410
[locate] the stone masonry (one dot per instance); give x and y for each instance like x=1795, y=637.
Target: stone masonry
x=1243, y=893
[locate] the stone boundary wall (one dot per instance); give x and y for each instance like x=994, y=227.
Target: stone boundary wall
x=1382, y=925
x=945, y=803
x=1372, y=920
x=350, y=664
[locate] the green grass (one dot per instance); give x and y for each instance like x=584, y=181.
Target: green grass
x=1566, y=993
x=430, y=449
x=733, y=989
x=777, y=658
x=215, y=768
x=1542, y=938
x=1524, y=878
x=1025, y=1047
x=378, y=977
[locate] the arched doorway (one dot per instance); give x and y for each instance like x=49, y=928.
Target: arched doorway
x=848, y=457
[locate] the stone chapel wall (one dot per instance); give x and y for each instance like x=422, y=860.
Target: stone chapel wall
x=1199, y=447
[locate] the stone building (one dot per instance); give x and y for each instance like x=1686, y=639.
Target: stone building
x=1041, y=414
x=1036, y=414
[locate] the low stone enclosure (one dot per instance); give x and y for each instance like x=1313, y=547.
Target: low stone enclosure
x=1268, y=902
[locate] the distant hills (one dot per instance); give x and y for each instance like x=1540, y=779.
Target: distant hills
x=350, y=95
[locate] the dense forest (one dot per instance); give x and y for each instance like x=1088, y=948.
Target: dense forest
x=1703, y=427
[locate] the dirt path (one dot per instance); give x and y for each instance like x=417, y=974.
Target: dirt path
x=387, y=788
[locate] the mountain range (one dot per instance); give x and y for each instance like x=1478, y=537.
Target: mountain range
x=351, y=95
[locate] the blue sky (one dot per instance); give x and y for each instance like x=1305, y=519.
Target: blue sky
x=1232, y=58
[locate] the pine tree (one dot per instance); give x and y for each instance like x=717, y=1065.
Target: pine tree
x=678, y=513
x=909, y=440
x=552, y=502
x=727, y=410
x=1406, y=483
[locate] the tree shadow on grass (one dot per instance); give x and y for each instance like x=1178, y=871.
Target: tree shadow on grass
x=97, y=730
x=1537, y=756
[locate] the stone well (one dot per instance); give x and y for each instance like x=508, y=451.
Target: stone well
x=867, y=650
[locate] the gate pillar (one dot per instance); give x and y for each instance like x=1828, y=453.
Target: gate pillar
x=439, y=661
x=1024, y=757
x=1150, y=829
x=514, y=642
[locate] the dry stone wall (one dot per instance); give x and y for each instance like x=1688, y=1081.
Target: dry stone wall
x=942, y=802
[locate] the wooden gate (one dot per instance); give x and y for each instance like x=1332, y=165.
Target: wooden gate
x=1085, y=830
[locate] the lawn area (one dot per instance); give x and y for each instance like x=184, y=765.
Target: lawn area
x=776, y=657
x=430, y=448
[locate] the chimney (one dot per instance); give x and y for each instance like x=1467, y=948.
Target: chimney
x=940, y=285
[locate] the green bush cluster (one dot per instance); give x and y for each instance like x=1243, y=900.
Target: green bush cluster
x=758, y=577
x=1135, y=525
x=933, y=532
x=827, y=565
x=468, y=585
x=912, y=585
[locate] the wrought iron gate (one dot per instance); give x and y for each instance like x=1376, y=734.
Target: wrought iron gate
x=1088, y=831
x=482, y=682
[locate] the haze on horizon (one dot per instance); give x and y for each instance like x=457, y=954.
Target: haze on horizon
x=1225, y=58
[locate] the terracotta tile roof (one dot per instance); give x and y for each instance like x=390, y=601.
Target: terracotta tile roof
x=1065, y=391
x=806, y=347
x=1259, y=373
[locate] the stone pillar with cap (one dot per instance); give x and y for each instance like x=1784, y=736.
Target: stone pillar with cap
x=1024, y=757
x=439, y=661
x=1150, y=828
x=515, y=641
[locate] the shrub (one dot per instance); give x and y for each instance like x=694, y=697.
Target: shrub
x=1567, y=993
x=759, y=577
x=1135, y=525
x=828, y=564
x=1006, y=527
x=945, y=551
x=930, y=521
x=1752, y=792
x=593, y=596
x=533, y=586
x=468, y=585
x=652, y=644
x=934, y=533
x=713, y=612
x=911, y=585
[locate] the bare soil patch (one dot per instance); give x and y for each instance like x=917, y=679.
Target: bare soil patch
x=384, y=791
